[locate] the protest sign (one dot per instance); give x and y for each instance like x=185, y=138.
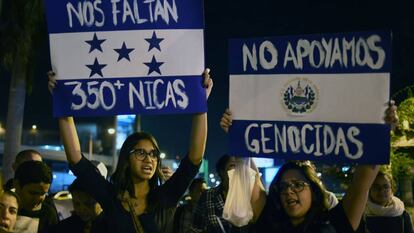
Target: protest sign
x=311, y=97
x=126, y=56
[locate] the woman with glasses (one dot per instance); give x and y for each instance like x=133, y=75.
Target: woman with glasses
x=136, y=200
x=385, y=212
x=297, y=201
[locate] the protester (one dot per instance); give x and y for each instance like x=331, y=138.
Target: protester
x=385, y=212
x=184, y=215
x=208, y=214
x=32, y=181
x=297, y=200
x=87, y=215
x=8, y=211
x=134, y=200
x=22, y=156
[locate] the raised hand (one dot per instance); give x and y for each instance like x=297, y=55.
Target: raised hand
x=51, y=84
x=226, y=120
x=391, y=116
x=207, y=82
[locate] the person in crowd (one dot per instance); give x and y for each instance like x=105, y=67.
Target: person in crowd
x=87, y=215
x=32, y=181
x=133, y=199
x=184, y=214
x=22, y=156
x=297, y=200
x=384, y=212
x=9, y=206
x=208, y=214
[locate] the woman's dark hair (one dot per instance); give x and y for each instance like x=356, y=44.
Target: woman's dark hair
x=122, y=176
x=274, y=215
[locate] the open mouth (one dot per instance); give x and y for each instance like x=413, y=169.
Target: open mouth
x=147, y=168
x=292, y=202
x=4, y=225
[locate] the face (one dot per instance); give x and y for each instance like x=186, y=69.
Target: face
x=32, y=195
x=381, y=192
x=296, y=195
x=85, y=206
x=8, y=212
x=197, y=191
x=143, y=168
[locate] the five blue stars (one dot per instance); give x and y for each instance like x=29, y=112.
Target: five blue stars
x=154, y=66
x=123, y=52
x=154, y=42
x=96, y=68
x=95, y=43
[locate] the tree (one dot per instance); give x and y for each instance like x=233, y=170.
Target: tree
x=22, y=23
x=402, y=142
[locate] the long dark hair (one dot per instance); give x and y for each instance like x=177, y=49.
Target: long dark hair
x=122, y=176
x=274, y=215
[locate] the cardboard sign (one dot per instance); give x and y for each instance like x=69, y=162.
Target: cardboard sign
x=127, y=56
x=311, y=97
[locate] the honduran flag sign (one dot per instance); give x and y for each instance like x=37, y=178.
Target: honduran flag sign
x=126, y=56
x=311, y=97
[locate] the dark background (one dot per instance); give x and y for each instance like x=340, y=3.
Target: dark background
x=226, y=19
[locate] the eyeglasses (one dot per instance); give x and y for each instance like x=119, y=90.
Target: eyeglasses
x=379, y=188
x=140, y=154
x=295, y=186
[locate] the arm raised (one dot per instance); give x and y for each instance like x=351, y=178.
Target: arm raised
x=198, y=136
x=356, y=196
x=70, y=139
x=67, y=129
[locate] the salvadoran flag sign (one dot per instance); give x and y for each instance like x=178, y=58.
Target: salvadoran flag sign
x=126, y=56
x=311, y=97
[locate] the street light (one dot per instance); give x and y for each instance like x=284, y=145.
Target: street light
x=111, y=131
x=33, y=132
x=163, y=155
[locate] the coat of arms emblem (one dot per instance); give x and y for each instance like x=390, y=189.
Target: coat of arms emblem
x=300, y=96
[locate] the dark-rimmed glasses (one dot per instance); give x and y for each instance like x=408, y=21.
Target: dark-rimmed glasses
x=295, y=186
x=140, y=154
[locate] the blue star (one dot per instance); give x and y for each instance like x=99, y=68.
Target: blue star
x=96, y=68
x=123, y=52
x=154, y=42
x=95, y=43
x=154, y=65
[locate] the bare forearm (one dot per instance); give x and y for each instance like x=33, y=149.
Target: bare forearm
x=70, y=139
x=198, y=138
x=357, y=194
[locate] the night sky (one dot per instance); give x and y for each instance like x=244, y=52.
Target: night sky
x=238, y=19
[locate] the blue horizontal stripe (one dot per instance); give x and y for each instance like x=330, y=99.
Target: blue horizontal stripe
x=169, y=97
x=99, y=15
x=236, y=64
x=370, y=141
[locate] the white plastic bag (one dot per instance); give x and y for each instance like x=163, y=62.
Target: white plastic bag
x=237, y=208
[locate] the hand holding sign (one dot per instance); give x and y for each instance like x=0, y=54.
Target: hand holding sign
x=226, y=120
x=147, y=64
x=310, y=97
